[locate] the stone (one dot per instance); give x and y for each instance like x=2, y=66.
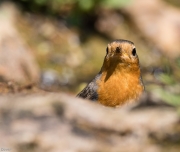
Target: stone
x=17, y=61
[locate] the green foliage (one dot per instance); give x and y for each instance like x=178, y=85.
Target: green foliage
x=167, y=79
x=115, y=3
x=171, y=98
x=178, y=62
x=83, y=5
x=174, y=2
x=168, y=90
x=78, y=13
x=86, y=5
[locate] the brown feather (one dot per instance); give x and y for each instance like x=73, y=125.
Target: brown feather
x=119, y=81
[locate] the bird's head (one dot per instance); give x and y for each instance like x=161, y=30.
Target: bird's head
x=122, y=53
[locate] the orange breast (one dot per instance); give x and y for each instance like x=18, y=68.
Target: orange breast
x=120, y=88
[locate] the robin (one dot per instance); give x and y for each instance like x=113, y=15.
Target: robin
x=119, y=81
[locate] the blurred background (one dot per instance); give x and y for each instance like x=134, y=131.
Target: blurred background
x=60, y=45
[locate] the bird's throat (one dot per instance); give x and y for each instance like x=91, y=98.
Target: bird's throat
x=119, y=86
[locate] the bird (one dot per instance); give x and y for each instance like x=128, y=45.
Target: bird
x=119, y=81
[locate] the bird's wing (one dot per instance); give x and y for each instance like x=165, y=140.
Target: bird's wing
x=90, y=91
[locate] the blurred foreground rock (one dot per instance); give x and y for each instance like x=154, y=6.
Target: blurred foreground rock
x=58, y=122
x=17, y=62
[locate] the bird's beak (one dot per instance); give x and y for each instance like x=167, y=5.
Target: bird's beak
x=125, y=56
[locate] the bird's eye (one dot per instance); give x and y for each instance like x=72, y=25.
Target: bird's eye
x=134, y=52
x=107, y=50
x=118, y=50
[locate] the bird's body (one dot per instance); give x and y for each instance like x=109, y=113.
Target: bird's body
x=119, y=81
